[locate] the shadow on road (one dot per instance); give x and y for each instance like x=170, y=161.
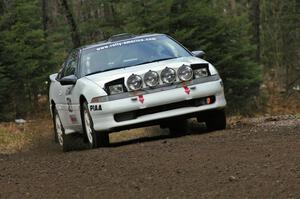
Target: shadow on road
x=139, y=140
x=193, y=129
x=45, y=145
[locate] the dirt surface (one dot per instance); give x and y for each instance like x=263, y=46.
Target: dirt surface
x=256, y=158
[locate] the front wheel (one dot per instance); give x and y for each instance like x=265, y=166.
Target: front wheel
x=65, y=141
x=216, y=120
x=94, y=139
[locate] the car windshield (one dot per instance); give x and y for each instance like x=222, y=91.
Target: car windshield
x=130, y=53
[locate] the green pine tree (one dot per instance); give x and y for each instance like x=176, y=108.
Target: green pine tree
x=24, y=58
x=204, y=25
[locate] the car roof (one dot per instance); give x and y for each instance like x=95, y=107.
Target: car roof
x=117, y=38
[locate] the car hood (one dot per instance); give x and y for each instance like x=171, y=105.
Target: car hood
x=102, y=78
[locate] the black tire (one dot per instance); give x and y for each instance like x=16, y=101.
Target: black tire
x=216, y=120
x=178, y=127
x=97, y=139
x=54, y=127
x=67, y=140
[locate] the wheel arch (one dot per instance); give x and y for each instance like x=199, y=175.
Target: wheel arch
x=52, y=107
x=82, y=99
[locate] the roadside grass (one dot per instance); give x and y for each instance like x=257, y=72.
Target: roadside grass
x=19, y=137
x=16, y=138
x=13, y=138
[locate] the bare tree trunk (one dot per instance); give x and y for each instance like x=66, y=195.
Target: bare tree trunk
x=20, y=100
x=45, y=17
x=232, y=4
x=71, y=21
x=255, y=18
x=177, y=7
x=2, y=7
x=4, y=4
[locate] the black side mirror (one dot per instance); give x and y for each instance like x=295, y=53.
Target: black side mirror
x=198, y=53
x=68, y=80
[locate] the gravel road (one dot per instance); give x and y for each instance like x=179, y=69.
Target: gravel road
x=254, y=158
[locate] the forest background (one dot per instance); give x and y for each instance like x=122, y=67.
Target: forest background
x=255, y=45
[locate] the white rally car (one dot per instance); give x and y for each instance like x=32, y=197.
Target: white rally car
x=131, y=81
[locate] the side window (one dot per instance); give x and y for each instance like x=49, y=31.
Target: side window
x=71, y=65
x=59, y=74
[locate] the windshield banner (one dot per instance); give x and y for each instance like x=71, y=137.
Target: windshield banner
x=118, y=44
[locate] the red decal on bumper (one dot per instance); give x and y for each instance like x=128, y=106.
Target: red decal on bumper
x=187, y=90
x=141, y=99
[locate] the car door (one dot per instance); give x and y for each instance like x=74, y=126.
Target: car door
x=55, y=89
x=64, y=102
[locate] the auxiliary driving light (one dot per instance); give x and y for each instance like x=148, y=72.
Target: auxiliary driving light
x=168, y=75
x=134, y=82
x=151, y=78
x=185, y=73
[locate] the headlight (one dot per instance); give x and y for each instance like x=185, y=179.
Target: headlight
x=115, y=89
x=168, y=75
x=185, y=73
x=201, y=72
x=134, y=82
x=151, y=78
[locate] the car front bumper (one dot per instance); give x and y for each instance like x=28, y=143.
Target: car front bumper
x=181, y=100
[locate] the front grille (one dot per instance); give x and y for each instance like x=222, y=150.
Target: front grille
x=120, y=117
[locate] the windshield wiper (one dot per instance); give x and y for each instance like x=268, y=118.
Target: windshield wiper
x=101, y=71
x=148, y=62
